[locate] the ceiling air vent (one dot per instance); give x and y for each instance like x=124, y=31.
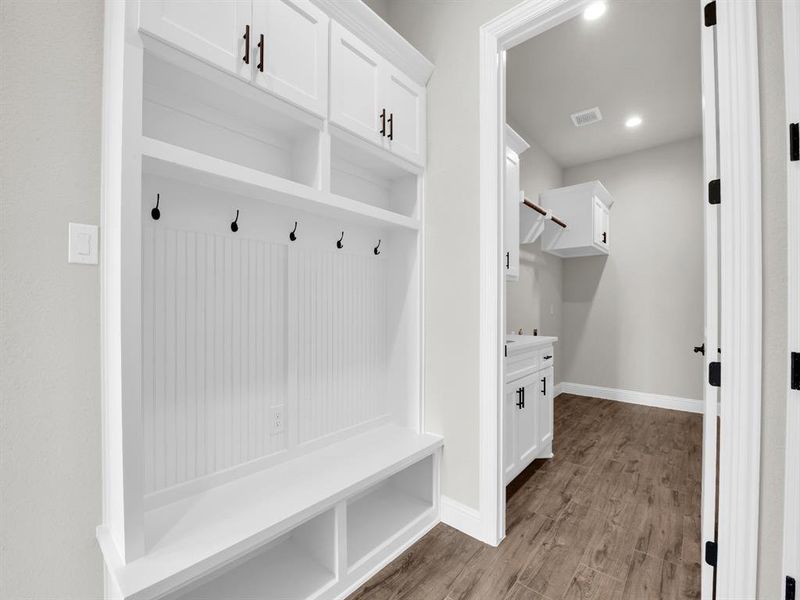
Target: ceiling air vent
x=586, y=117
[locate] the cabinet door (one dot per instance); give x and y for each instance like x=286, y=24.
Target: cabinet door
x=213, y=31
x=527, y=421
x=511, y=216
x=295, y=52
x=404, y=102
x=354, y=84
x=600, y=217
x=510, y=432
x=545, y=403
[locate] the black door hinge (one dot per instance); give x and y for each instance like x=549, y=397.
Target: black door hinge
x=794, y=141
x=710, y=14
x=713, y=192
x=794, y=367
x=714, y=374
x=711, y=553
x=790, y=588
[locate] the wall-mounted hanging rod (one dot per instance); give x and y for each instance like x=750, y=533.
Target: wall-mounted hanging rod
x=543, y=212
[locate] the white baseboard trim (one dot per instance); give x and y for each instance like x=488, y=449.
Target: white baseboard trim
x=557, y=389
x=657, y=400
x=465, y=519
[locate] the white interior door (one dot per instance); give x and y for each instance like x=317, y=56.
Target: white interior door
x=216, y=32
x=791, y=521
x=295, y=57
x=711, y=342
x=354, y=85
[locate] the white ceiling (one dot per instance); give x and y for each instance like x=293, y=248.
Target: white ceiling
x=641, y=57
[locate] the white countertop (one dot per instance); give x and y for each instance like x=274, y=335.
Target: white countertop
x=518, y=343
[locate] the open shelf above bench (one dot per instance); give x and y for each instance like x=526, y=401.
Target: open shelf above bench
x=174, y=162
x=192, y=537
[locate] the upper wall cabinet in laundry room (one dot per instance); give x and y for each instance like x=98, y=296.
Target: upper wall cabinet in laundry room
x=374, y=100
x=280, y=45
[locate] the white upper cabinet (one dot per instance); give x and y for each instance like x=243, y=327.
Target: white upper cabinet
x=375, y=101
x=213, y=31
x=514, y=146
x=404, y=102
x=294, y=64
x=280, y=45
x=355, y=85
x=600, y=223
x=585, y=208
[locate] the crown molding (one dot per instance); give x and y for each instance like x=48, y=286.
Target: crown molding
x=358, y=18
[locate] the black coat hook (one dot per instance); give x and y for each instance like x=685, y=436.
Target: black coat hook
x=155, y=213
x=376, y=250
x=292, y=235
x=235, y=224
x=339, y=243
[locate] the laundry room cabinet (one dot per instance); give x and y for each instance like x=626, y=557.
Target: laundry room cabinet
x=528, y=402
x=279, y=45
x=512, y=199
x=585, y=208
x=262, y=296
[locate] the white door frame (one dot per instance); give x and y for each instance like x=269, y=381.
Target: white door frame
x=740, y=273
x=791, y=519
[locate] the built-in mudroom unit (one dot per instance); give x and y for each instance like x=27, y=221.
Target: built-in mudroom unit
x=263, y=168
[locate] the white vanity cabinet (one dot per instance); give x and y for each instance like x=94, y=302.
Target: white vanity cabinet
x=512, y=197
x=374, y=100
x=279, y=45
x=528, y=402
x=585, y=208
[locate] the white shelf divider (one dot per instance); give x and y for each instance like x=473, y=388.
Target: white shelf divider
x=181, y=164
x=194, y=536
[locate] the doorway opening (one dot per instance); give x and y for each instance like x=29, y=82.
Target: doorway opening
x=612, y=132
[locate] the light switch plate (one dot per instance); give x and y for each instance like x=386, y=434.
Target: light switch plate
x=82, y=244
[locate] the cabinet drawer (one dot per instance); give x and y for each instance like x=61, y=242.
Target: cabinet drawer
x=521, y=365
x=545, y=358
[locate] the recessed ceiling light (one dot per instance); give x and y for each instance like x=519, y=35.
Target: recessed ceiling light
x=594, y=11
x=633, y=121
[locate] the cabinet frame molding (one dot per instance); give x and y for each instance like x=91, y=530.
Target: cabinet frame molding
x=740, y=272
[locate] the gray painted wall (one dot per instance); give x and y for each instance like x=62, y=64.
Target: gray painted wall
x=50, y=493
x=631, y=318
x=447, y=33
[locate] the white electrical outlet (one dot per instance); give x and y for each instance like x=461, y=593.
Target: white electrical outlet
x=277, y=419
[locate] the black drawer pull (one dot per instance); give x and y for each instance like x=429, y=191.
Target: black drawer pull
x=260, y=65
x=548, y=357
x=383, y=122
x=391, y=126
x=544, y=385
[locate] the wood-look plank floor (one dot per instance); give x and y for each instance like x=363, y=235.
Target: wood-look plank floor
x=614, y=516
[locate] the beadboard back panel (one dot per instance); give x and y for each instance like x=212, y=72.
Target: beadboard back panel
x=342, y=340
x=214, y=334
